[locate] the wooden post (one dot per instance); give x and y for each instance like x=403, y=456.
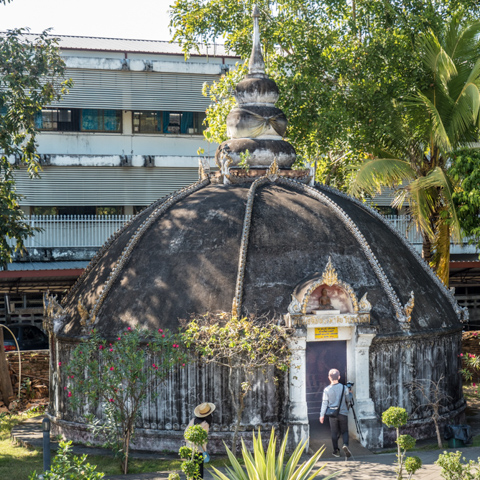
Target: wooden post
x=5, y=382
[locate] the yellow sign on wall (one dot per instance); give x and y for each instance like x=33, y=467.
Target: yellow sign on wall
x=326, y=332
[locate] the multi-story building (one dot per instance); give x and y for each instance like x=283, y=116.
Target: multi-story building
x=126, y=135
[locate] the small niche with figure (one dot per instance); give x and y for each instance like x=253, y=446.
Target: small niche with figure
x=329, y=300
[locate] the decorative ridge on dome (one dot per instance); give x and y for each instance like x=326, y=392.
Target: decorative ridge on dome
x=402, y=312
x=256, y=65
x=96, y=258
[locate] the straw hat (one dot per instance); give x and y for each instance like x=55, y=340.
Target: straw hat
x=204, y=409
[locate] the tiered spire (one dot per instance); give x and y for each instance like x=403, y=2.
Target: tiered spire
x=256, y=127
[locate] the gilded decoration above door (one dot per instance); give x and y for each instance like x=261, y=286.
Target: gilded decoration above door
x=326, y=300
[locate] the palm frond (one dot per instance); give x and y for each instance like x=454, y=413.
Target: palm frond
x=401, y=196
x=422, y=208
x=465, y=113
x=436, y=59
x=439, y=132
x=462, y=42
x=379, y=172
x=438, y=178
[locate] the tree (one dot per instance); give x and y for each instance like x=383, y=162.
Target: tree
x=433, y=393
x=118, y=374
x=436, y=119
x=465, y=172
x=31, y=72
x=192, y=456
x=339, y=65
x=396, y=417
x=245, y=347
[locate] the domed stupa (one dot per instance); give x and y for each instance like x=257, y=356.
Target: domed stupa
x=269, y=241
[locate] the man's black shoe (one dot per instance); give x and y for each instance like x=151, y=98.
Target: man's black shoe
x=336, y=453
x=347, y=452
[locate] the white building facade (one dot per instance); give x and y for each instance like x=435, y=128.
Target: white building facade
x=128, y=131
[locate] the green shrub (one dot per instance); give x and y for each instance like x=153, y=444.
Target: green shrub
x=454, y=469
x=412, y=464
x=395, y=417
x=192, y=456
x=69, y=467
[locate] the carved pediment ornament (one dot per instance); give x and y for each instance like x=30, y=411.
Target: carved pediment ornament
x=203, y=168
x=407, y=309
x=295, y=307
x=406, y=315
x=52, y=311
x=329, y=276
x=273, y=170
x=234, y=308
x=364, y=305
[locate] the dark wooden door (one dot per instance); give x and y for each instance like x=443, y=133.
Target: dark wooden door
x=321, y=357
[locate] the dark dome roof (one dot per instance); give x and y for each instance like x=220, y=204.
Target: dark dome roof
x=181, y=256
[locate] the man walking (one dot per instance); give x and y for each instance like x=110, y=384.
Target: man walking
x=336, y=396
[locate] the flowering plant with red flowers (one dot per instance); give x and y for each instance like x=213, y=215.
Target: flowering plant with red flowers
x=117, y=373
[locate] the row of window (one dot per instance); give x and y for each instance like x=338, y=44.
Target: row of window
x=98, y=120
x=83, y=210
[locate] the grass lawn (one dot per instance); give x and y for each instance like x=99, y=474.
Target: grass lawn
x=24, y=461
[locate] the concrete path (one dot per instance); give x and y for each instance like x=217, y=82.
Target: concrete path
x=363, y=465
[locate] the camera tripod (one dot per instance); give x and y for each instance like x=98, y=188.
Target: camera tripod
x=351, y=403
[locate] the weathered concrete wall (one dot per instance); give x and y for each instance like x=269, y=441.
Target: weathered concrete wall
x=162, y=421
x=397, y=363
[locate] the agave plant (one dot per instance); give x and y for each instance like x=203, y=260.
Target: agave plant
x=269, y=465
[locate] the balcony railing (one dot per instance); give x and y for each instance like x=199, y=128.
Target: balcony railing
x=72, y=231
x=90, y=231
x=405, y=225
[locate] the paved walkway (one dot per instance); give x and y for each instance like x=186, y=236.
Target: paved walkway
x=364, y=465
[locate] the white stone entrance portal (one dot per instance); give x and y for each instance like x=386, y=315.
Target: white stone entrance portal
x=340, y=318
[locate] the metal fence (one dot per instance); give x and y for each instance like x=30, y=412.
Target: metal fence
x=405, y=225
x=73, y=230
x=88, y=231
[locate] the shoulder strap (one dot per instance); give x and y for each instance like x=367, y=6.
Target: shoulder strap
x=341, y=397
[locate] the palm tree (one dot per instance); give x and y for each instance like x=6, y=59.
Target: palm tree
x=432, y=123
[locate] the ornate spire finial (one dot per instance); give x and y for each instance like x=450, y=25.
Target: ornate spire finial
x=256, y=65
x=329, y=276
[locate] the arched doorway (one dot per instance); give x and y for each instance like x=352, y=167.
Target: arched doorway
x=321, y=356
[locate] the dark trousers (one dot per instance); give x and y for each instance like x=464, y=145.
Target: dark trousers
x=339, y=426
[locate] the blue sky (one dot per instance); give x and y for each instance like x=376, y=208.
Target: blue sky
x=141, y=19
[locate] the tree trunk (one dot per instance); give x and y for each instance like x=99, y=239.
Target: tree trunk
x=237, y=408
x=426, y=248
x=399, y=459
x=439, y=436
x=5, y=381
x=126, y=448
